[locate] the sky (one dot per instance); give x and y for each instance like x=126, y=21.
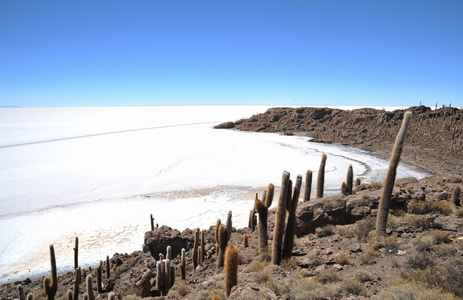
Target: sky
x=150, y=52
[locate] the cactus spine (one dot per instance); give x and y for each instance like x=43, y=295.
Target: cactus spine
x=50, y=286
x=77, y=280
x=262, y=209
x=183, y=265
x=350, y=180
x=308, y=185
x=223, y=234
x=291, y=225
x=321, y=176
x=89, y=282
x=383, y=207
x=280, y=218
x=456, y=195
x=76, y=253
x=231, y=268
x=195, y=249
x=164, y=276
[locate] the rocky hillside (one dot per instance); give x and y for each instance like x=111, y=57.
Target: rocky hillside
x=336, y=254
x=434, y=143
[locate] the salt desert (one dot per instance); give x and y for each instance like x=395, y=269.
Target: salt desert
x=98, y=173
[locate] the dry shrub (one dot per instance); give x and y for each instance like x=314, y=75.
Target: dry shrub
x=367, y=257
x=363, y=227
x=420, y=260
x=393, y=222
x=288, y=264
x=395, y=262
x=423, y=244
x=444, y=250
x=328, y=276
x=343, y=258
x=440, y=237
x=307, y=289
x=353, y=286
x=374, y=186
x=261, y=277
x=257, y=266
x=452, y=272
x=324, y=231
x=363, y=276
x=412, y=291
x=390, y=243
x=419, y=222
x=345, y=231
x=427, y=207
x=179, y=290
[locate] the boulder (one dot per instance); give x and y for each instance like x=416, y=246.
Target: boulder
x=156, y=241
x=250, y=291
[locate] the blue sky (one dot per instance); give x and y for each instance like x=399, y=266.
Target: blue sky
x=101, y=53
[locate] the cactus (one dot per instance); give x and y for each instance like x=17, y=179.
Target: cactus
x=152, y=222
x=308, y=185
x=202, y=248
x=30, y=296
x=231, y=268
x=164, y=277
x=183, y=264
x=98, y=278
x=280, y=218
x=169, y=252
x=245, y=240
x=291, y=225
x=223, y=234
x=89, y=282
x=350, y=180
x=358, y=181
x=21, y=295
x=77, y=280
x=111, y=296
x=108, y=268
x=50, y=286
x=383, y=206
x=195, y=249
x=262, y=209
x=344, y=189
x=456, y=195
x=321, y=176
x=76, y=253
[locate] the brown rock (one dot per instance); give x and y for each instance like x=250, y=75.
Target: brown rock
x=249, y=291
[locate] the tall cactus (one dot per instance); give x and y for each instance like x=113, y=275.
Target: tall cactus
x=308, y=185
x=202, y=248
x=164, y=276
x=108, y=268
x=291, y=224
x=89, y=282
x=223, y=234
x=76, y=253
x=231, y=267
x=152, y=222
x=183, y=264
x=321, y=176
x=195, y=249
x=262, y=209
x=50, y=286
x=280, y=219
x=456, y=195
x=384, y=201
x=77, y=280
x=350, y=180
x=245, y=240
x=21, y=294
x=99, y=279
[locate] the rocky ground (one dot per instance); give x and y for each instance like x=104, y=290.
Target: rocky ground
x=336, y=254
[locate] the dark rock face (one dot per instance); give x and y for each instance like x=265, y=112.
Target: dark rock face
x=156, y=241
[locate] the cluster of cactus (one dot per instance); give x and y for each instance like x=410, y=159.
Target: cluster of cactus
x=262, y=206
x=384, y=201
x=286, y=202
x=165, y=273
x=21, y=295
x=222, y=236
x=347, y=186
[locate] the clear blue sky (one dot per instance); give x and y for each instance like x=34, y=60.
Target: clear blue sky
x=98, y=53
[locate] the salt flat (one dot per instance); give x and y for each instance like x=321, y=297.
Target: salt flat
x=98, y=173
